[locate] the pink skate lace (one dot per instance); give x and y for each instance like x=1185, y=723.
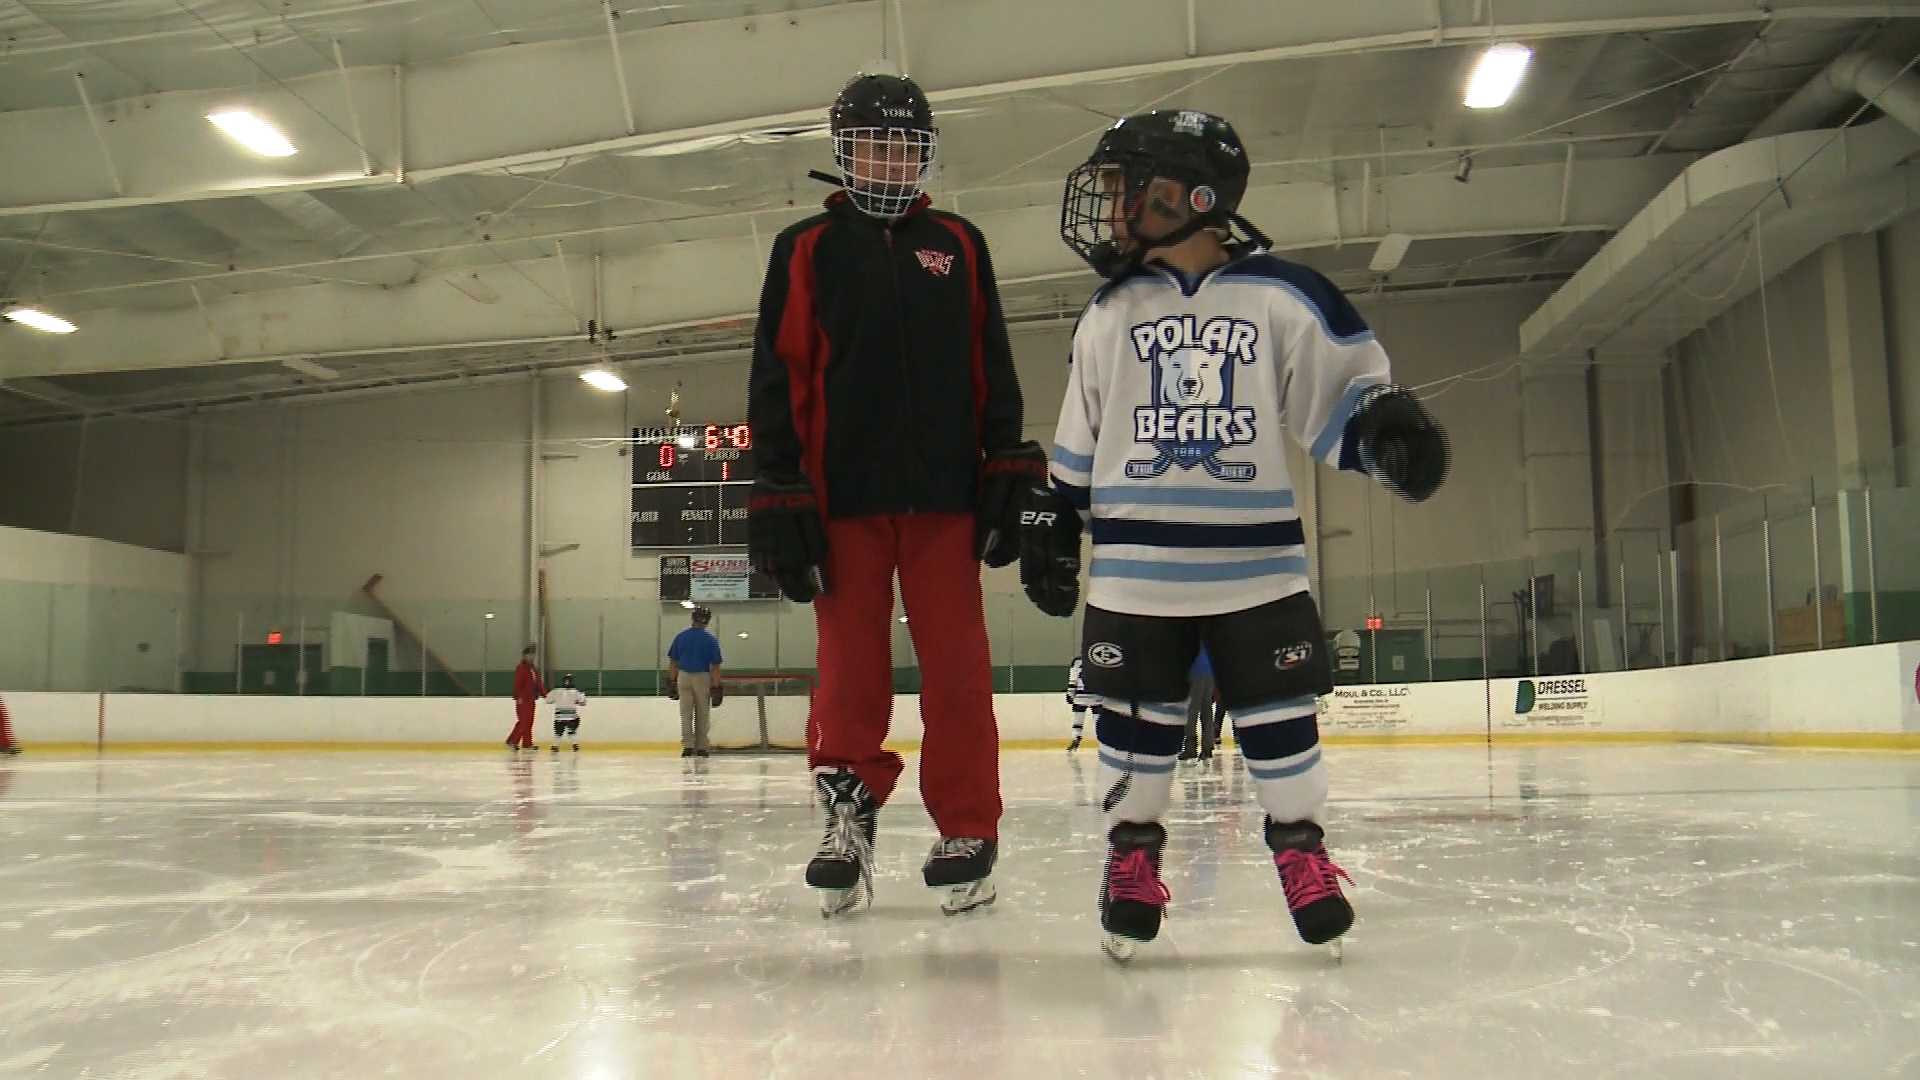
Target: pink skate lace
x=1308, y=876
x=1131, y=877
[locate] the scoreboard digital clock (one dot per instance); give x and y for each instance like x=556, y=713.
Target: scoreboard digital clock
x=690, y=486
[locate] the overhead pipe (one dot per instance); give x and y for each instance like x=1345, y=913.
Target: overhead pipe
x=1887, y=83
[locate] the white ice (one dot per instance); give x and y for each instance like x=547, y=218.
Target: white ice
x=1562, y=912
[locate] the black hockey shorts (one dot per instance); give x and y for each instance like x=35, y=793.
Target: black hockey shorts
x=1267, y=653
x=564, y=725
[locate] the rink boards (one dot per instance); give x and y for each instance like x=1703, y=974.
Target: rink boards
x=1866, y=697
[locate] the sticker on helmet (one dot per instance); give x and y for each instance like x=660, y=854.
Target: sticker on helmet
x=1190, y=122
x=1202, y=199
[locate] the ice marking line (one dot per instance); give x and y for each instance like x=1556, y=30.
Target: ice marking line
x=420, y=984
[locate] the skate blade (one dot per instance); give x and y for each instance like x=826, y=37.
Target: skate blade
x=838, y=902
x=1121, y=949
x=964, y=898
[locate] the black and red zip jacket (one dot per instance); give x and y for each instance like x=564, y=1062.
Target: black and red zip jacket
x=881, y=367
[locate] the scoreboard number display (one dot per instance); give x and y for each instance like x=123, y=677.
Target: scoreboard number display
x=690, y=486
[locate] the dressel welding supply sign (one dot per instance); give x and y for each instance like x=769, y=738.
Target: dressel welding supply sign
x=1541, y=703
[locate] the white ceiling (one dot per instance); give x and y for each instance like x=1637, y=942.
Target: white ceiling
x=535, y=199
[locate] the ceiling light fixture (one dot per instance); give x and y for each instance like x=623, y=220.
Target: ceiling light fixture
x=252, y=132
x=40, y=320
x=602, y=379
x=1497, y=75
x=1390, y=254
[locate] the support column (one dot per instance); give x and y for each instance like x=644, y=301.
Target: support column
x=1857, y=360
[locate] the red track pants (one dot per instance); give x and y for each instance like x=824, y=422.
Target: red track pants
x=853, y=704
x=6, y=726
x=522, y=734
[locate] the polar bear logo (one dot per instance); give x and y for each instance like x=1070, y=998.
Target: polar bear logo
x=1191, y=377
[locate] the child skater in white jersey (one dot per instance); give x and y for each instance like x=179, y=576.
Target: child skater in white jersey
x=568, y=702
x=1187, y=364
x=1078, y=701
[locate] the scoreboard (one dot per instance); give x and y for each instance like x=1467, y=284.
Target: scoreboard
x=690, y=486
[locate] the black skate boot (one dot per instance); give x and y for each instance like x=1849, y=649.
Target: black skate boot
x=1312, y=881
x=843, y=867
x=1132, y=896
x=961, y=865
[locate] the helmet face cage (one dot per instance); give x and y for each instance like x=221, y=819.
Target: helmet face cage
x=1100, y=195
x=884, y=169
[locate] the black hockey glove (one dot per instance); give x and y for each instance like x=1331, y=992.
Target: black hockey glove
x=1005, y=480
x=1399, y=444
x=717, y=695
x=786, y=539
x=1050, y=551
x=673, y=689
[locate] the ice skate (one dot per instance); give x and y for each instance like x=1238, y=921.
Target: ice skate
x=843, y=867
x=576, y=748
x=1312, y=881
x=962, y=865
x=10, y=751
x=1132, y=897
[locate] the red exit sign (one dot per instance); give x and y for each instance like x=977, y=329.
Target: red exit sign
x=1375, y=622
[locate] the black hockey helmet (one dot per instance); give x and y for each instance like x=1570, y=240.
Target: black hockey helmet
x=702, y=616
x=567, y=680
x=1197, y=149
x=884, y=142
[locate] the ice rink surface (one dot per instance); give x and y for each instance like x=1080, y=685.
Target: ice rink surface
x=1567, y=912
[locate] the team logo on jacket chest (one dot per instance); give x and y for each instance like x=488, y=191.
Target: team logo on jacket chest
x=1192, y=417
x=937, y=263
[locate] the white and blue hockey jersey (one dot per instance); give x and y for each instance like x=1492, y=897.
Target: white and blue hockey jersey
x=567, y=702
x=1169, y=437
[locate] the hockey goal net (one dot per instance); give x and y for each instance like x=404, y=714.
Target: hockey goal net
x=762, y=714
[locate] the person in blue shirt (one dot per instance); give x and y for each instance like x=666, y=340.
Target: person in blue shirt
x=1203, y=720
x=693, y=679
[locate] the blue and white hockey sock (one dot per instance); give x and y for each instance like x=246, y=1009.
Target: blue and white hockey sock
x=1137, y=758
x=1280, y=741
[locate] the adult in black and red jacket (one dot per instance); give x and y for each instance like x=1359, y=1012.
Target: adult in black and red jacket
x=887, y=426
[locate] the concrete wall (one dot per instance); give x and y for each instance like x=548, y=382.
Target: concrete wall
x=83, y=614
x=116, y=479
x=1788, y=401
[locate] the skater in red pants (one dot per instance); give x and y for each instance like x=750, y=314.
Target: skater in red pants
x=887, y=421
x=527, y=689
x=8, y=746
